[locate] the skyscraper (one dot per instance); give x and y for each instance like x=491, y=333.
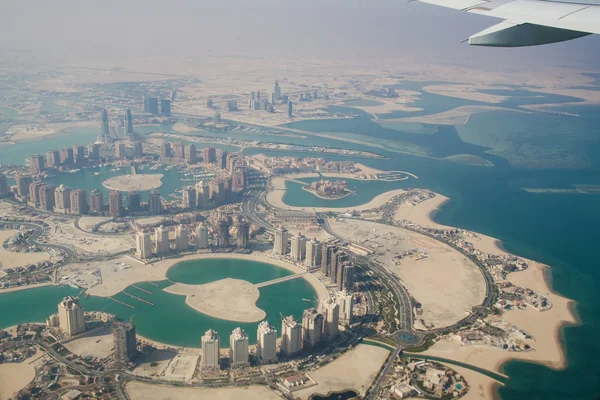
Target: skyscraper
x=203, y=195
x=62, y=199
x=66, y=156
x=266, y=346
x=291, y=336
x=238, y=348
x=34, y=193
x=154, y=205
x=78, y=202
x=290, y=114
x=104, y=136
x=276, y=91
x=239, y=179
x=313, y=252
x=165, y=107
x=217, y=119
x=52, y=159
x=138, y=149
x=3, y=186
x=223, y=233
x=128, y=123
x=333, y=264
x=347, y=283
x=133, y=202
x=222, y=159
x=46, y=194
x=70, y=316
x=341, y=261
x=209, y=155
x=37, y=164
x=312, y=327
x=165, y=150
x=331, y=315
x=96, y=201
x=23, y=182
x=210, y=351
x=153, y=105
x=115, y=204
x=161, y=240
x=188, y=198
x=346, y=302
x=281, y=238
x=243, y=235
x=178, y=150
x=191, y=155
x=298, y=247
x=79, y=154
x=120, y=151
x=143, y=245
x=182, y=238
x=202, y=236
x=94, y=152
x=124, y=342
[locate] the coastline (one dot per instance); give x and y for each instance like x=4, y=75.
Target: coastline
x=19, y=288
x=548, y=349
x=328, y=198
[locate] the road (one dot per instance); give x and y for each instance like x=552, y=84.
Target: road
x=374, y=389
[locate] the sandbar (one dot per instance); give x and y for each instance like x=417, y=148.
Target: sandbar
x=229, y=299
x=138, y=182
x=456, y=116
x=145, y=391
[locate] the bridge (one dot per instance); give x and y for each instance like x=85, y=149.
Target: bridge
x=279, y=280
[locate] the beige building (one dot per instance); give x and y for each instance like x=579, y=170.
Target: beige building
x=238, y=350
x=312, y=327
x=313, y=253
x=298, y=247
x=331, y=315
x=70, y=316
x=266, y=346
x=281, y=239
x=291, y=336
x=143, y=245
x=182, y=238
x=345, y=302
x=210, y=351
x=202, y=236
x=161, y=240
x=62, y=199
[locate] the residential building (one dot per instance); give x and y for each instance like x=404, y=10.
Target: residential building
x=210, y=351
x=143, y=245
x=70, y=316
x=266, y=346
x=291, y=336
x=202, y=236
x=298, y=247
x=281, y=239
x=238, y=348
x=312, y=327
x=161, y=240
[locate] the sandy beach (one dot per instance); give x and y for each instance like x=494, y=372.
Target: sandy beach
x=275, y=198
x=455, y=116
x=543, y=326
x=139, y=272
x=18, y=288
x=11, y=259
x=24, y=134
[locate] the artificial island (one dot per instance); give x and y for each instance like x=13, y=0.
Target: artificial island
x=285, y=301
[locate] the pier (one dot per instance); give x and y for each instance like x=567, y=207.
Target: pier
x=142, y=289
x=138, y=299
x=279, y=280
x=152, y=283
x=122, y=302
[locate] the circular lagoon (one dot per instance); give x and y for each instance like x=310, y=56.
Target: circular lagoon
x=170, y=320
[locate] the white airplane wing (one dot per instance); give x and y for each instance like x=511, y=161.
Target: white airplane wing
x=530, y=22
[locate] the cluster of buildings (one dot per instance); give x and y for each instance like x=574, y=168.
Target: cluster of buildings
x=334, y=261
x=64, y=159
x=293, y=165
x=316, y=326
x=188, y=238
x=329, y=189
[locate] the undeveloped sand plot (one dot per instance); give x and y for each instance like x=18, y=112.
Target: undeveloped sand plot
x=14, y=377
x=144, y=391
x=444, y=281
x=138, y=182
x=98, y=344
x=354, y=370
x=229, y=299
x=12, y=259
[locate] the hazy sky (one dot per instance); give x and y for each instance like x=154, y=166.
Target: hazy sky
x=369, y=29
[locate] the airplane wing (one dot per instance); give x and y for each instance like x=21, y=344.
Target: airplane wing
x=530, y=22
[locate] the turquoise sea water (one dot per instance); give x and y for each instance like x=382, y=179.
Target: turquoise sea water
x=170, y=320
